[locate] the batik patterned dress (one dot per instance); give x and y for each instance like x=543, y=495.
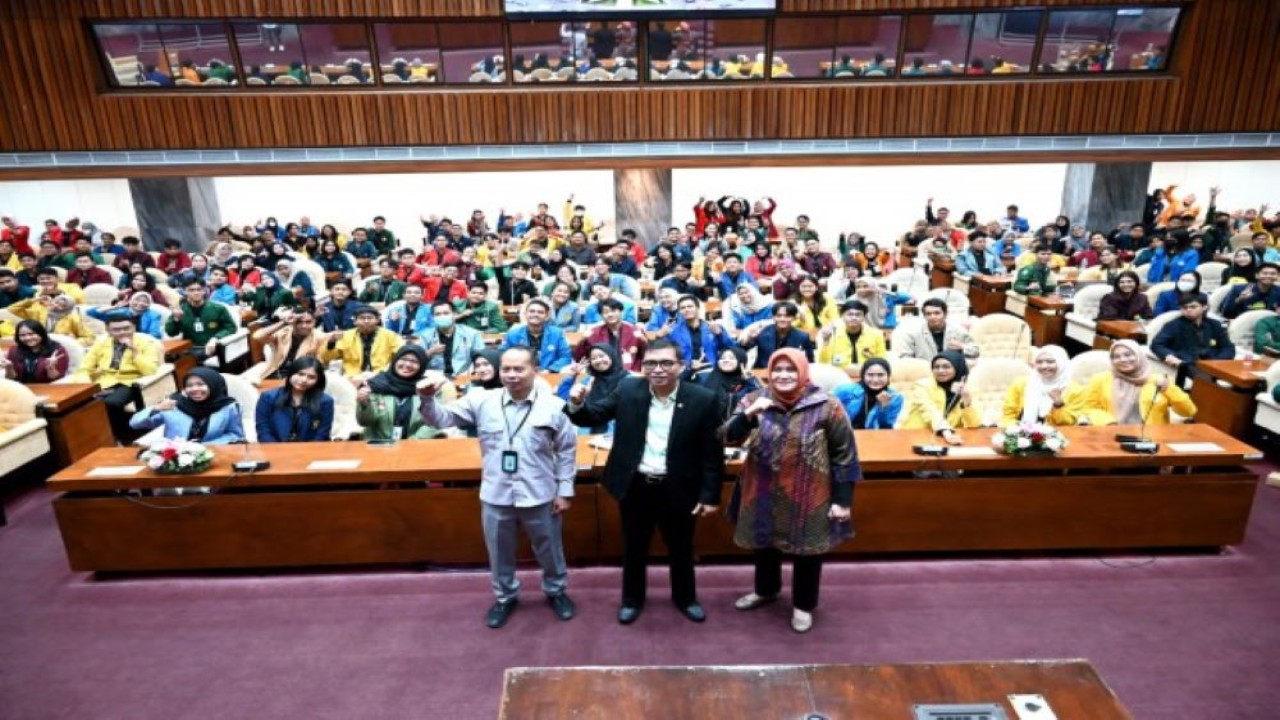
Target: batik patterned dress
x=795, y=460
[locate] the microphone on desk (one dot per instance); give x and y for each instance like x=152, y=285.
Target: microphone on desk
x=1141, y=444
x=246, y=464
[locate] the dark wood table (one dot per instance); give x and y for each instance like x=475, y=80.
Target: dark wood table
x=1092, y=495
x=1108, y=331
x=1226, y=393
x=1070, y=688
x=177, y=353
x=987, y=293
x=943, y=272
x=1047, y=318
x=78, y=422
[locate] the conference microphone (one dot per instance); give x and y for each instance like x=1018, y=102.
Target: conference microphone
x=1141, y=444
x=247, y=464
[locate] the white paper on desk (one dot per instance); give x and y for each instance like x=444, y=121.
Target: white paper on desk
x=1200, y=447
x=334, y=465
x=975, y=451
x=1258, y=373
x=1031, y=707
x=601, y=442
x=116, y=471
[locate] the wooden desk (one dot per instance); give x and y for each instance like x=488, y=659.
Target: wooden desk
x=942, y=273
x=1230, y=407
x=78, y=422
x=1072, y=689
x=177, y=352
x=1091, y=496
x=1047, y=318
x=1108, y=331
x=987, y=293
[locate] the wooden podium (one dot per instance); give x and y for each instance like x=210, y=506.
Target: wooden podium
x=1070, y=688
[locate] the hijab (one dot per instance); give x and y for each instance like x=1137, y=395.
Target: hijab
x=956, y=358
x=727, y=383
x=757, y=303
x=797, y=358
x=877, y=308
x=1036, y=403
x=402, y=388
x=55, y=314
x=494, y=357
x=870, y=395
x=1126, y=389
x=603, y=383
x=200, y=412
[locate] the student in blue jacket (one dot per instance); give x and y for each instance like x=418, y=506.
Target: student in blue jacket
x=203, y=412
x=547, y=340
x=138, y=311
x=870, y=403
x=300, y=411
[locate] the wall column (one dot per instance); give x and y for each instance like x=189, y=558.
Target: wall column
x=182, y=208
x=1103, y=195
x=642, y=202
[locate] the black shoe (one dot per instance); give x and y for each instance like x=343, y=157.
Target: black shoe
x=562, y=606
x=627, y=614
x=694, y=612
x=499, y=614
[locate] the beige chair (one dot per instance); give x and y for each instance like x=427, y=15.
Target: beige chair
x=421, y=79
x=1240, y=330
x=1241, y=240
x=677, y=74
x=1016, y=303
x=1268, y=415
x=255, y=81
x=1082, y=321
x=564, y=73
x=99, y=294
x=1142, y=272
x=114, y=272
x=519, y=77
x=22, y=434
x=480, y=77
x=913, y=280
x=1216, y=300
x=500, y=77
x=1211, y=275
x=160, y=276
x=287, y=80
x=343, y=393
x=1153, y=329
x=827, y=377
x=845, y=74
x=232, y=348
x=75, y=354
x=988, y=383
x=347, y=80
x=1002, y=336
x=626, y=74
x=1085, y=366
x=1153, y=292
x=246, y=396
x=597, y=74
x=541, y=75
x=957, y=302
x=216, y=82
x=316, y=78
x=906, y=371
x=183, y=82
x=316, y=273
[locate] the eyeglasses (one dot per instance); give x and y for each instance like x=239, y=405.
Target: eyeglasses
x=664, y=364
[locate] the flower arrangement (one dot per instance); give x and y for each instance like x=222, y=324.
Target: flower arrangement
x=1029, y=439
x=177, y=457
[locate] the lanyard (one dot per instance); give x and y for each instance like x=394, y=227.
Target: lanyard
x=511, y=436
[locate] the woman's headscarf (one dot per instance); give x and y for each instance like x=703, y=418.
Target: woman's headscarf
x=875, y=362
x=494, y=358
x=727, y=383
x=797, y=358
x=1126, y=389
x=1036, y=403
x=62, y=306
x=603, y=383
x=200, y=412
x=956, y=358
x=402, y=388
x=877, y=308
x=1248, y=272
x=757, y=303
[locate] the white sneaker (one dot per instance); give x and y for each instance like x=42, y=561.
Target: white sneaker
x=751, y=601
x=801, y=621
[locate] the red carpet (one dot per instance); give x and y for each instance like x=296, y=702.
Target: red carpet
x=1176, y=636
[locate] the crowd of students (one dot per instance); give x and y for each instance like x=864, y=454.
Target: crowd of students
x=385, y=314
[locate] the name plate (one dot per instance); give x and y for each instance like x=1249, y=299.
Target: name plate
x=117, y=471
x=1196, y=447
x=334, y=465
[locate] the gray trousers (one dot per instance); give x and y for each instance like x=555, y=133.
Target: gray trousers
x=500, y=537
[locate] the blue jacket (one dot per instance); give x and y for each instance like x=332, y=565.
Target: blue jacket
x=1232, y=307
x=852, y=395
x=727, y=285
x=555, y=353
x=658, y=317
x=225, y=426
x=338, y=263
x=712, y=344
x=149, y=323
x=1167, y=301
x=766, y=343
x=967, y=264
x=302, y=280
x=567, y=318
x=591, y=314
x=362, y=251
x=225, y=295
x=344, y=318
x=742, y=318
x=467, y=341
x=1165, y=268
x=275, y=424
x=423, y=321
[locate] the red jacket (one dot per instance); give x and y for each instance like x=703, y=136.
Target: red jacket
x=431, y=288
x=432, y=257
x=174, y=264
x=253, y=277
x=630, y=344
x=21, y=238
x=412, y=276
x=143, y=258
x=92, y=276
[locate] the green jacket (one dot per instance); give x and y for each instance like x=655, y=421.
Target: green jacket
x=215, y=319
x=265, y=302
x=486, y=318
x=1034, y=273
x=1266, y=335
x=372, y=291
x=377, y=417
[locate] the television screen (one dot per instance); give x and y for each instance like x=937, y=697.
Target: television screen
x=603, y=7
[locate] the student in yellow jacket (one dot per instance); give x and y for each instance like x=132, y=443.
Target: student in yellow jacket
x=350, y=346
x=810, y=296
x=58, y=314
x=1047, y=396
x=116, y=363
x=1131, y=394
x=853, y=341
x=941, y=403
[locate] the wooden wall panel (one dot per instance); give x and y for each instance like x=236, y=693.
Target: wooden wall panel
x=1224, y=79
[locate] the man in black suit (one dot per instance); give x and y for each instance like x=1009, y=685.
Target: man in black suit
x=665, y=468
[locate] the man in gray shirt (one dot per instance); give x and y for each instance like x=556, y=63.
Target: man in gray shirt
x=528, y=449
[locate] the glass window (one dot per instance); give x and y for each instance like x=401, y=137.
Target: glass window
x=707, y=50
x=409, y=52
x=1004, y=42
x=870, y=42
x=1077, y=41
x=936, y=45
x=470, y=48
x=610, y=51
x=1140, y=39
x=170, y=55
x=546, y=51
x=805, y=44
x=338, y=54
x=272, y=53
x=134, y=55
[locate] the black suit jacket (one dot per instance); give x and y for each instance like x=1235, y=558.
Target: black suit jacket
x=695, y=458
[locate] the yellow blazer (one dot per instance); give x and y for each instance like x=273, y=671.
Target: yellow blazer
x=1069, y=414
x=72, y=324
x=1056, y=262
x=145, y=359
x=1155, y=406
x=925, y=409
x=829, y=315
x=838, y=352
x=350, y=350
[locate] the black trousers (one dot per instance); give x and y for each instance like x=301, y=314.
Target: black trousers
x=645, y=507
x=806, y=576
x=118, y=399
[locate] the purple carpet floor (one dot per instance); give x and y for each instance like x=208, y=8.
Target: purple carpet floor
x=1176, y=636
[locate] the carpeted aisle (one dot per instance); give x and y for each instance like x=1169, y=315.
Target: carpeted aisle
x=1180, y=637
